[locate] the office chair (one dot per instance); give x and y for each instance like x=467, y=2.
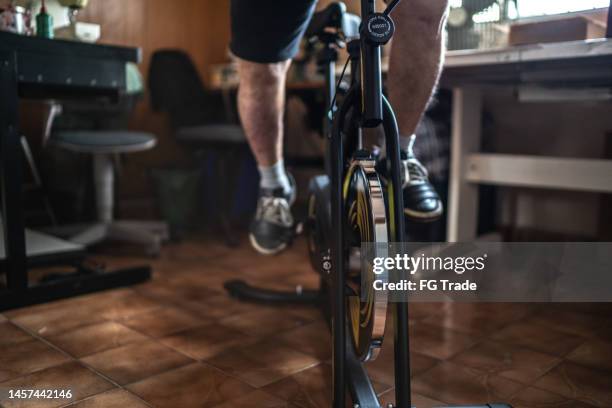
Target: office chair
x=105, y=145
x=202, y=120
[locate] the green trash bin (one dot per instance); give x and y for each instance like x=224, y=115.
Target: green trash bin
x=177, y=196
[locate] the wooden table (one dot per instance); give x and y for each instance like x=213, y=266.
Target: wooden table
x=552, y=68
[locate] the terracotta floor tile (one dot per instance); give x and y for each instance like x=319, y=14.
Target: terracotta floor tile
x=81, y=381
x=313, y=339
x=603, y=310
x=191, y=249
x=261, y=322
x=382, y=369
x=513, y=362
x=437, y=343
x=217, y=307
x=94, y=338
x=58, y=317
x=307, y=313
x=595, y=354
x=56, y=320
x=135, y=361
x=11, y=334
x=537, y=337
x=256, y=399
x=478, y=318
x=417, y=400
x=183, y=287
x=455, y=384
x=275, y=276
x=185, y=302
x=205, y=341
x=116, y=398
x=308, y=279
x=27, y=357
x=580, y=324
x=262, y=363
x=89, y=302
x=127, y=306
x=212, y=279
x=195, y=385
x=164, y=321
x=246, y=263
x=580, y=383
x=423, y=310
x=536, y=398
x=310, y=388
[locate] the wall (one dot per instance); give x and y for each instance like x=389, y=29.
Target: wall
x=200, y=27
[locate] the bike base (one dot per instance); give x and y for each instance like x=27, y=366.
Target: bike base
x=241, y=290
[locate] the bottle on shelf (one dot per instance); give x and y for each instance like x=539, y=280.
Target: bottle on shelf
x=44, y=22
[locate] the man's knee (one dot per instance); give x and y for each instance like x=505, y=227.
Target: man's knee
x=429, y=13
x=262, y=74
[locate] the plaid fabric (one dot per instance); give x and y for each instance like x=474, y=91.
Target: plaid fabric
x=432, y=148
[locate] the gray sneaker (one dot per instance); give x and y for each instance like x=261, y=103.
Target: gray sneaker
x=273, y=228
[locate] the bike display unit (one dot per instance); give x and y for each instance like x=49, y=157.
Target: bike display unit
x=350, y=205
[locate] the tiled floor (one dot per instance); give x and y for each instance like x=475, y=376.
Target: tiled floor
x=179, y=341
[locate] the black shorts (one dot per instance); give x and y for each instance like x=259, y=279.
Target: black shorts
x=269, y=30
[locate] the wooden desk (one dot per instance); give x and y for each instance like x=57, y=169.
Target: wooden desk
x=568, y=66
x=49, y=69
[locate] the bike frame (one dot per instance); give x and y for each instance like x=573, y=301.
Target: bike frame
x=365, y=97
x=366, y=104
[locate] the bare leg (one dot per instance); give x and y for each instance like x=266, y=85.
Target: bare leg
x=416, y=58
x=417, y=54
x=261, y=103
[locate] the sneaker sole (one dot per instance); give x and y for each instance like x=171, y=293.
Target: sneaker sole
x=266, y=251
x=425, y=217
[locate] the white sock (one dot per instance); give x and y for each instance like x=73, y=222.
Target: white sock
x=274, y=177
x=406, y=142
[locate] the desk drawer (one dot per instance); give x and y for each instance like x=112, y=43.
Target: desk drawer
x=69, y=71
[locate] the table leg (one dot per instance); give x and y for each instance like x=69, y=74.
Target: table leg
x=11, y=175
x=465, y=139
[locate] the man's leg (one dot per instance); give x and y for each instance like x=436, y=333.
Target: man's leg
x=265, y=37
x=416, y=58
x=261, y=103
x=417, y=55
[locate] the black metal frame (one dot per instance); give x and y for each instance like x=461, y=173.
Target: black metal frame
x=365, y=96
x=42, y=68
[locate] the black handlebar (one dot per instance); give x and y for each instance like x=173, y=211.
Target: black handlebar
x=390, y=7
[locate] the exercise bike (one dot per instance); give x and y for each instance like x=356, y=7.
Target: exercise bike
x=350, y=205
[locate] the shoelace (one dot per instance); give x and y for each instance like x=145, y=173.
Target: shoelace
x=276, y=210
x=414, y=172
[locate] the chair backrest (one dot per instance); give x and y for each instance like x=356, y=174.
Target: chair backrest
x=176, y=88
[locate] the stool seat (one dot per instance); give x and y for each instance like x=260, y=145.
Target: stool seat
x=211, y=134
x=103, y=141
